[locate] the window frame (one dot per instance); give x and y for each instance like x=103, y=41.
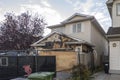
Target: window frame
x=1, y=62
x=75, y=28
x=117, y=9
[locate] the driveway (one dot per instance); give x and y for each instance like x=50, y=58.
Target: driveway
x=103, y=76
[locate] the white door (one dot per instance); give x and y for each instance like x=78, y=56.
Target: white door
x=115, y=55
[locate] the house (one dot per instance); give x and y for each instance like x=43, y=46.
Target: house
x=113, y=35
x=77, y=32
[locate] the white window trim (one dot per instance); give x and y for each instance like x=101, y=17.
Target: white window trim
x=76, y=28
x=1, y=61
x=117, y=9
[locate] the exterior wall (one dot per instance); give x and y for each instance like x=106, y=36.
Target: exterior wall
x=77, y=18
x=59, y=29
x=85, y=31
x=115, y=17
x=64, y=60
x=91, y=34
x=114, y=57
x=100, y=42
x=67, y=59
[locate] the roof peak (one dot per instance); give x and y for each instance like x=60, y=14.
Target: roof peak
x=109, y=1
x=63, y=34
x=77, y=14
x=80, y=14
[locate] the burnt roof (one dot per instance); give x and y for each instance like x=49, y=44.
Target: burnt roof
x=113, y=31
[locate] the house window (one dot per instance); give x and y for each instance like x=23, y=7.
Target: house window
x=77, y=28
x=49, y=45
x=3, y=61
x=118, y=9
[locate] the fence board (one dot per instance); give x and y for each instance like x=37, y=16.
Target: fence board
x=16, y=63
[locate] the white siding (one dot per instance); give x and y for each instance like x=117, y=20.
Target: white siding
x=115, y=17
x=115, y=55
x=100, y=42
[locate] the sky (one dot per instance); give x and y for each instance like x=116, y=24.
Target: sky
x=56, y=11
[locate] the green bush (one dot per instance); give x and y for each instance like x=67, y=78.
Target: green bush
x=80, y=72
x=98, y=69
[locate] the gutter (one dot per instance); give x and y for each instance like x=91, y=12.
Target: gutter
x=114, y=35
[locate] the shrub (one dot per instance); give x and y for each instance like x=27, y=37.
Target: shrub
x=80, y=72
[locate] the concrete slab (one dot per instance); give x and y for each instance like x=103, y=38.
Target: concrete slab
x=62, y=75
x=103, y=76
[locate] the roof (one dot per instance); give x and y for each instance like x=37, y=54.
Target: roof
x=77, y=14
x=80, y=42
x=87, y=17
x=109, y=1
x=109, y=5
x=113, y=31
x=67, y=21
x=74, y=38
x=54, y=26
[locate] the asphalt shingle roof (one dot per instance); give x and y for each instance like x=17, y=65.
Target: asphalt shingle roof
x=113, y=31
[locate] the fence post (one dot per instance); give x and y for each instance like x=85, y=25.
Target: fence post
x=36, y=51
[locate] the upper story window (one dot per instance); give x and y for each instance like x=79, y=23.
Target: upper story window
x=76, y=27
x=118, y=9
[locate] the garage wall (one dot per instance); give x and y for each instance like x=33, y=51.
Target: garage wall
x=64, y=59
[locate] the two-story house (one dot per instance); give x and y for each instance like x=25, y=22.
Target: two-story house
x=78, y=31
x=113, y=35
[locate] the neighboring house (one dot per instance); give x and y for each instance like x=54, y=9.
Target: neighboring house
x=81, y=31
x=113, y=35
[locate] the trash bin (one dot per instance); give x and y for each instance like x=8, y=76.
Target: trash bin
x=41, y=76
x=106, y=67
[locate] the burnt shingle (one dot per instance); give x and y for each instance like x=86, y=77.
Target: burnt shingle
x=113, y=31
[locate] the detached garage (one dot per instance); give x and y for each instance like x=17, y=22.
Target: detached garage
x=65, y=48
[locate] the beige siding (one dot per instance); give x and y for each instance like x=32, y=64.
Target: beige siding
x=84, y=35
x=100, y=42
x=77, y=18
x=64, y=60
x=67, y=59
x=59, y=29
x=90, y=34
x=115, y=17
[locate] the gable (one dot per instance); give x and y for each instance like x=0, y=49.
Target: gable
x=54, y=41
x=59, y=40
x=76, y=18
x=56, y=38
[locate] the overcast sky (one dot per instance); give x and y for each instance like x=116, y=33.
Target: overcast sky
x=55, y=11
